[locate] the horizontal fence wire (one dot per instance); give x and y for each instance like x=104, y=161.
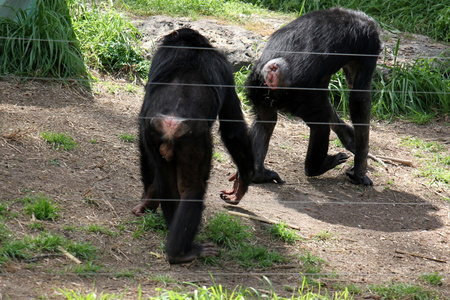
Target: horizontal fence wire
x=278, y=200
x=303, y=202
x=14, y=77
x=380, y=56
x=220, y=274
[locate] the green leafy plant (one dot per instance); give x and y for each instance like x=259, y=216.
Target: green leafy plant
x=282, y=232
x=46, y=241
x=229, y=232
x=433, y=279
x=151, y=221
x=250, y=256
x=402, y=291
x=16, y=249
x=59, y=141
x=108, y=41
x=226, y=230
x=41, y=207
x=44, y=36
x=218, y=156
x=82, y=250
x=99, y=229
x=126, y=137
x=323, y=236
x=87, y=269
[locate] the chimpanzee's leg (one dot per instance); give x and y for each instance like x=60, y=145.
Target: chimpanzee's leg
x=317, y=159
x=148, y=162
x=260, y=133
x=360, y=103
x=193, y=156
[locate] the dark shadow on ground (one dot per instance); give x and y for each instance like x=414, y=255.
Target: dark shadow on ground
x=334, y=201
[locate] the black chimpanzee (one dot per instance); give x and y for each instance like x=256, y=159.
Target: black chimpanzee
x=189, y=85
x=296, y=66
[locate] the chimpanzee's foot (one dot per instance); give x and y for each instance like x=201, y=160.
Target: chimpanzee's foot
x=267, y=176
x=358, y=179
x=329, y=163
x=139, y=210
x=197, y=251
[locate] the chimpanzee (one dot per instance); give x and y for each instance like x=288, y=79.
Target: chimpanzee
x=190, y=83
x=296, y=66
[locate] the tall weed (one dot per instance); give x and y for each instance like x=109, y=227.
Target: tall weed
x=40, y=42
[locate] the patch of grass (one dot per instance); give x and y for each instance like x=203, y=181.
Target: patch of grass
x=99, y=229
x=312, y=266
x=109, y=42
x=433, y=279
x=151, y=221
x=217, y=291
x=82, y=250
x=435, y=160
x=54, y=162
x=41, y=207
x=430, y=18
x=402, y=291
x=323, y=236
x=227, y=231
x=127, y=137
x=336, y=142
x=282, y=232
x=435, y=174
x=125, y=274
x=37, y=34
x=4, y=209
x=131, y=88
x=59, y=141
x=36, y=226
x=413, y=142
x=87, y=269
x=163, y=278
x=69, y=227
x=46, y=241
x=414, y=91
x=29, y=246
x=232, y=10
x=250, y=256
x=4, y=232
x=14, y=249
x=218, y=156
x=240, y=78
x=77, y=295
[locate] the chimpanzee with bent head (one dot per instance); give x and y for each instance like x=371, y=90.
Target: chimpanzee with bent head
x=189, y=85
x=296, y=66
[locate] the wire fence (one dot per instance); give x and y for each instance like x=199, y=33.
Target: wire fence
x=262, y=201
x=155, y=47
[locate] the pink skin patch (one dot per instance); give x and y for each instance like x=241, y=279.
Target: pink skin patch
x=272, y=76
x=171, y=127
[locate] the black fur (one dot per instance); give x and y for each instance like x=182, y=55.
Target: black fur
x=178, y=166
x=333, y=31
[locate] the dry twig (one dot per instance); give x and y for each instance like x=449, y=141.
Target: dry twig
x=261, y=219
x=421, y=256
x=68, y=255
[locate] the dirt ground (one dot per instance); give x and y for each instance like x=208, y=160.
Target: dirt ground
x=394, y=231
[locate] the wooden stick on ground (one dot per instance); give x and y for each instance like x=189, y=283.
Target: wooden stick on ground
x=68, y=255
x=375, y=158
x=421, y=256
x=261, y=219
x=397, y=160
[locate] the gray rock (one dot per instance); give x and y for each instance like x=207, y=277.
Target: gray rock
x=242, y=47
